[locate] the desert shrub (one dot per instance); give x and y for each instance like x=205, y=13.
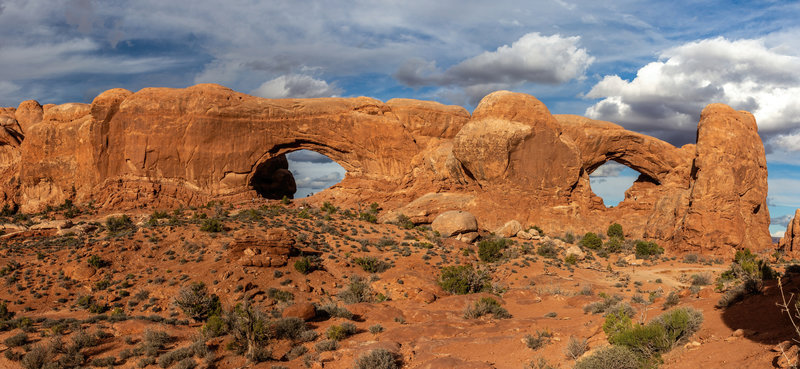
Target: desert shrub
x=463, y=279
x=212, y=225
x=279, y=295
x=340, y=332
x=154, y=340
x=591, y=241
x=662, y=333
x=615, y=230
x=196, y=302
x=168, y=359
x=602, y=306
x=103, y=362
x=547, y=250
x=617, y=321
x=376, y=359
x=700, y=279
x=538, y=341
x=329, y=208
x=308, y=264
x=671, y=300
x=215, y=326
x=491, y=250
x=120, y=224
x=97, y=262
x=576, y=347
x=16, y=340
x=485, y=306
x=750, y=286
x=249, y=327
x=335, y=311
x=610, y=357
x=357, y=291
x=745, y=265
x=289, y=328
x=371, y=264
x=645, y=249
x=5, y=314
x=679, y=324
x=612, y=246
x=37, y=357
x=326, y=345
x=295, y=352
x=375, y=329
x=690, y=258
x=186, y=363
x=571, y=259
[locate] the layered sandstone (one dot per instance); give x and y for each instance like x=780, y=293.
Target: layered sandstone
x=510, y=159
x=790, y=242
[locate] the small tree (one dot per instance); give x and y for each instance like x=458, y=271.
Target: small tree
x=615, y=230
x=196, y=303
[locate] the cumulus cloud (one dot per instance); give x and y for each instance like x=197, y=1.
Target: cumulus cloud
x=668, y=95
x=296, y=86
x=307, y=156
x=778, y=234
x=782, y=221
x=533, y=58
x=609, y=169
x=320, y=182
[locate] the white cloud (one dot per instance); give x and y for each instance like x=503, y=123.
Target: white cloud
x=533, y=58
x=296, y=86
x=54, y=59
x=788, y=142
x=778, y=234
x=668, y=95
x=609, y=169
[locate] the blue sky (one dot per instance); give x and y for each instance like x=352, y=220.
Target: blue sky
x=649, y=66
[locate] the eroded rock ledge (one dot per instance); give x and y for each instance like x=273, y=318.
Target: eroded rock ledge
x=510, y=159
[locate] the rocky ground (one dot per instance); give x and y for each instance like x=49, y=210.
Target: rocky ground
x=324, y=286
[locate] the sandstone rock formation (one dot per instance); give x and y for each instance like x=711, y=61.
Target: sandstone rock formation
x=262, y=249
x=454, y=222
x=790, y=242
x=510, y=159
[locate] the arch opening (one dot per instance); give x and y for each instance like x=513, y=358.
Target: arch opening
x=295, y=174
x=612, y=180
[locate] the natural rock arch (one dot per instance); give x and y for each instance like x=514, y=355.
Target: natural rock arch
x=510, y=159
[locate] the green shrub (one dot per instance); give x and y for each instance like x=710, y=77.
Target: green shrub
x=547, y=250
x=340, y=332
x=212, y=225
x=491, y=250
x=120, y=224
x=97, y=262
x=617, y=321
x=613, y=245
x=591, y=241
x=571, y=259
x=645, y=249
x=610, y=357
x=16, y=340
x=372, y=264
x=290, y=328
x=662, y=333
x=679, y=324
x=196, y=302
x=335, y=311
x=308, y=264
x=485, y=306
x=463, y=279
x=376, y=359
x=671, y=300
x=357, y=291
x=37, y=357
x=215, y=326
x=615, y=230
x=701, y=279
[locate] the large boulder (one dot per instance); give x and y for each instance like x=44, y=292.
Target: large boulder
x=454, y=222
x=790, y=242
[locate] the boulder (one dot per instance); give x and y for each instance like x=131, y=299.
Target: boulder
x=510, y=229
x=576, y=250
x=302, y=310
x=454, y=222
x=262, y=249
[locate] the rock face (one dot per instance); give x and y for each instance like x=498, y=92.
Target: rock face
x=262, y=249
x=790, y=243
x=510, y=159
